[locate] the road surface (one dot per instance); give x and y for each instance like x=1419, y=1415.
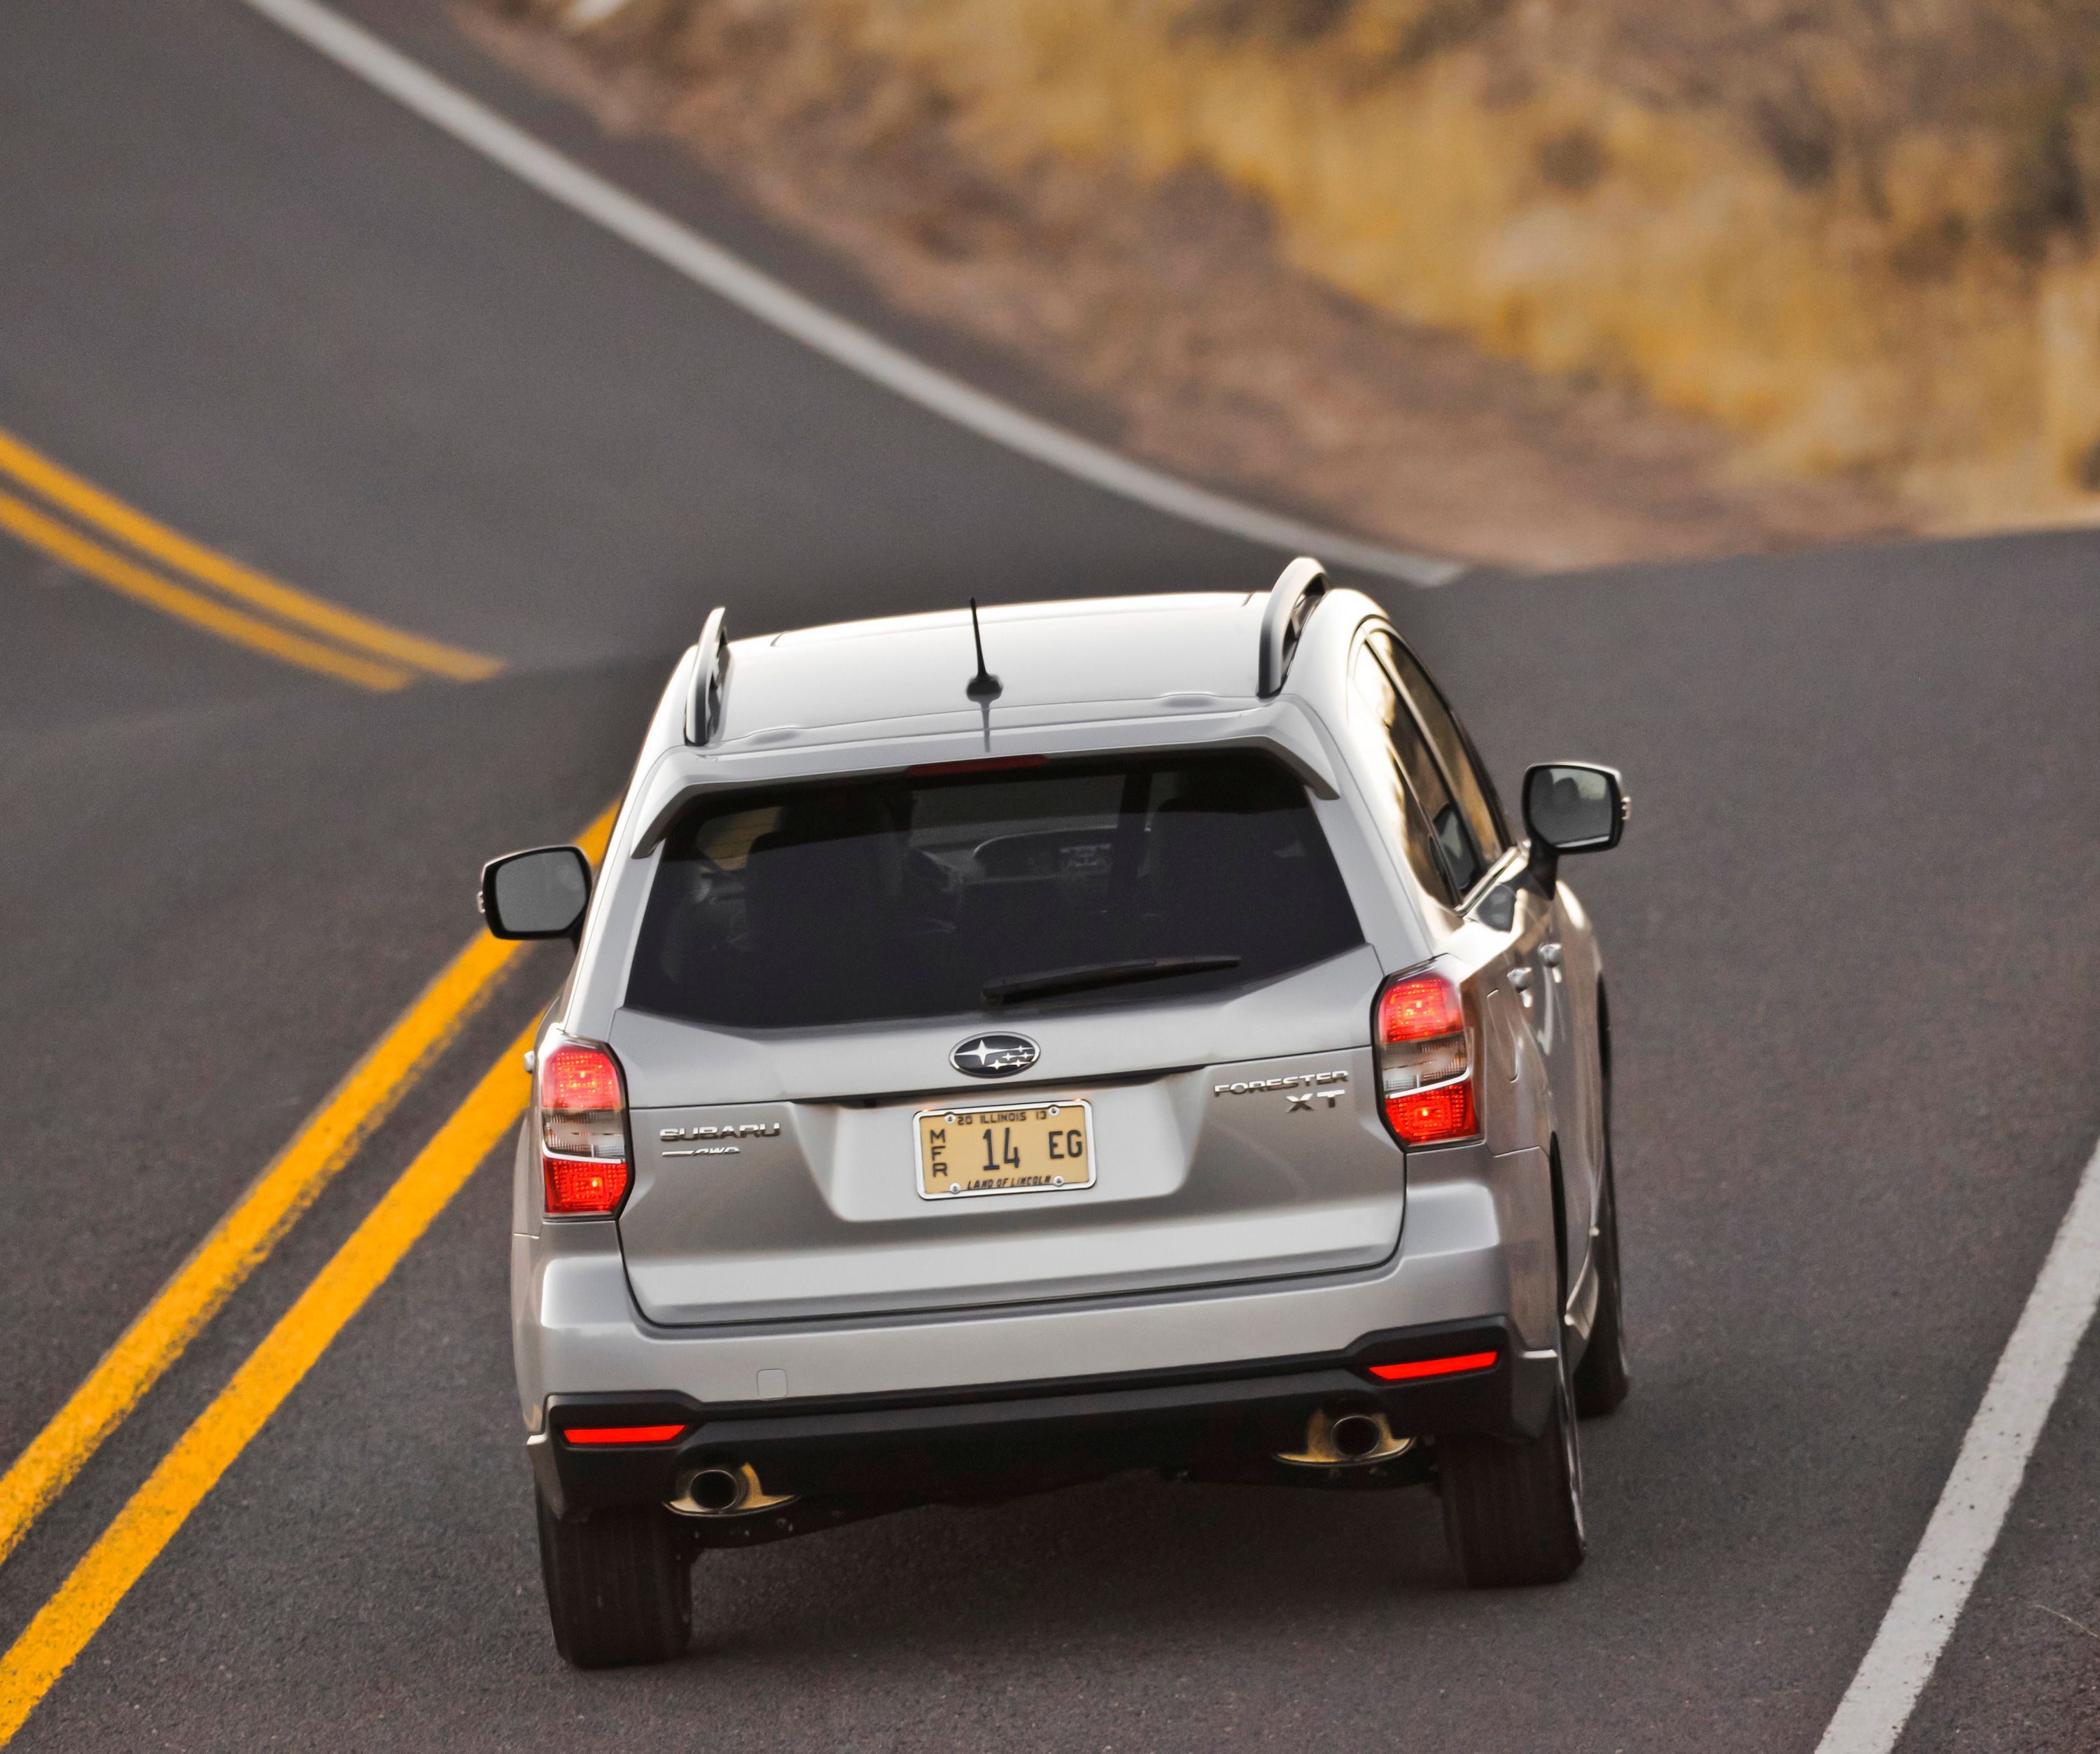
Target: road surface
x=1852, y=935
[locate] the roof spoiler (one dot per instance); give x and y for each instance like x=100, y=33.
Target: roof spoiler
x=703, y=709
x=665, y=797
x=1296, y=594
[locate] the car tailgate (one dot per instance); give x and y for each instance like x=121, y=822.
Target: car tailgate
x=788, y=1185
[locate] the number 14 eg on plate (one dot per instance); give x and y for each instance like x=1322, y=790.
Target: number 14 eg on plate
x=967, y=1152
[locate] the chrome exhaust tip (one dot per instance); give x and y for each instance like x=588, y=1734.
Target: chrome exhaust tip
x=1356, y=1435
x=718, y=1490
x=1347, y=1438
x=724, y=1489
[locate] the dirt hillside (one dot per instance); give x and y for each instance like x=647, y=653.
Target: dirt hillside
x=1549, y=285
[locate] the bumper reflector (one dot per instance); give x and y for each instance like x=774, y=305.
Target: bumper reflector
x=1418, y=1368
x=663, y=1433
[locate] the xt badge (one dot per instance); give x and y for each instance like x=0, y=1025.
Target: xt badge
x=1298, y=1089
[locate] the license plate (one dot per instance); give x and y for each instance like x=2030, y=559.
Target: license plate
x=1026, y=1149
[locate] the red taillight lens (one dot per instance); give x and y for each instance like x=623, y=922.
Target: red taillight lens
x=579, y=1079
x=1425, y=1061
x=1419, y=1008
x=1416, y=1368
x=583, y=1123
x=1425, y=1118
x=580, y=1187
x=656, y=1433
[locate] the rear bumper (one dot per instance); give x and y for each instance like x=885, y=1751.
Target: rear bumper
x=850, y=1455
x=1478, y=1242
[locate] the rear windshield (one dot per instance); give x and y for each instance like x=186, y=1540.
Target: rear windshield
x=910, y=895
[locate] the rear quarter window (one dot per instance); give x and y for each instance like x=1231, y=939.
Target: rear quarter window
x=1419, y=810
x=1470, y=783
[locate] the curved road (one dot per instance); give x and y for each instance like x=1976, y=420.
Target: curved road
x=1852, y=936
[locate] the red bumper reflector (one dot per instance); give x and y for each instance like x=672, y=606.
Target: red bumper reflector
x=624, y=1434
x=1433, y=1367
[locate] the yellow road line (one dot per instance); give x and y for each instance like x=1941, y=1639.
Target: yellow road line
x=65, y=1623
x=88, y=502
x=244, y=1237
x=63, y=542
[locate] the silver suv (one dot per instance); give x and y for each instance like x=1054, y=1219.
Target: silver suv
x=1160, y=1054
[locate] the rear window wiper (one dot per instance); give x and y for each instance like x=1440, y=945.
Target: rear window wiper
x=1054, y=981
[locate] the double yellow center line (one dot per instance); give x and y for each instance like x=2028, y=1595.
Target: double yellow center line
x=232, y=1250
x=100, y=537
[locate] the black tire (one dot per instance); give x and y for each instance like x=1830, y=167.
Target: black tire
x=1513, y=1511
x=620, y=1586
x=1602, y=1377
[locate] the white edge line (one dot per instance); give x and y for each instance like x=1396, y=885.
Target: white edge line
x=683, y=249
x=1979, y=1493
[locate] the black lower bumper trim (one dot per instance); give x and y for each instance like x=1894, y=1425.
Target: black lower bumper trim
x=880, y=1453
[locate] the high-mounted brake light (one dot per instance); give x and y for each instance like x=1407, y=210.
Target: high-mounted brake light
x=583, y=1123
x=656, y=1433
x=1415, y=1369
x=987, y=764
x=1425, y=1060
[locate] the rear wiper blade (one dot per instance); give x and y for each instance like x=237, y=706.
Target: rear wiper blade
x=1055, y=982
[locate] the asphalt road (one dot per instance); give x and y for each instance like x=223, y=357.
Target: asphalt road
x=1851, y=934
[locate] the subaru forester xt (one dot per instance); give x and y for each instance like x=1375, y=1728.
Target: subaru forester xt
x=1003, y=1051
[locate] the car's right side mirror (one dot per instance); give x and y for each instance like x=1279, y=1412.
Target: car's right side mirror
x=537, y=894
x=1571, y=807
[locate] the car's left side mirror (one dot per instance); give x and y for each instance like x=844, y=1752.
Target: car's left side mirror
x=537, y=894
x=1571, y=807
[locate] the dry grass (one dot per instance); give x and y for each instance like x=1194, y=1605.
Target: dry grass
x=1165, y=300
x=1855, y=233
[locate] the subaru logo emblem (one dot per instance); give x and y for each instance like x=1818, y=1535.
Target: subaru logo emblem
x=995, y=1056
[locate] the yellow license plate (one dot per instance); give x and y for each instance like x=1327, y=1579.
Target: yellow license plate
x=1043, y=1148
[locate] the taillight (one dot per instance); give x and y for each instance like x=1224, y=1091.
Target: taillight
x=1424, y=1059
x=583, y=1123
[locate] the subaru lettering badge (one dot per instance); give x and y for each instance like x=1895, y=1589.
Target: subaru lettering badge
x=995, y=1056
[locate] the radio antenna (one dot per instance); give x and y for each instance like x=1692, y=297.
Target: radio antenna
x=984, y=688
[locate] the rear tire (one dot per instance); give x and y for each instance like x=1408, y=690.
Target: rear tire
x=620, y=1586
x=1602, y=1377
x=1513, y=1511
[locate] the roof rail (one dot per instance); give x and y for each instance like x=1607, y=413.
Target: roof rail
x=703, y=710
x=1297, y=592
